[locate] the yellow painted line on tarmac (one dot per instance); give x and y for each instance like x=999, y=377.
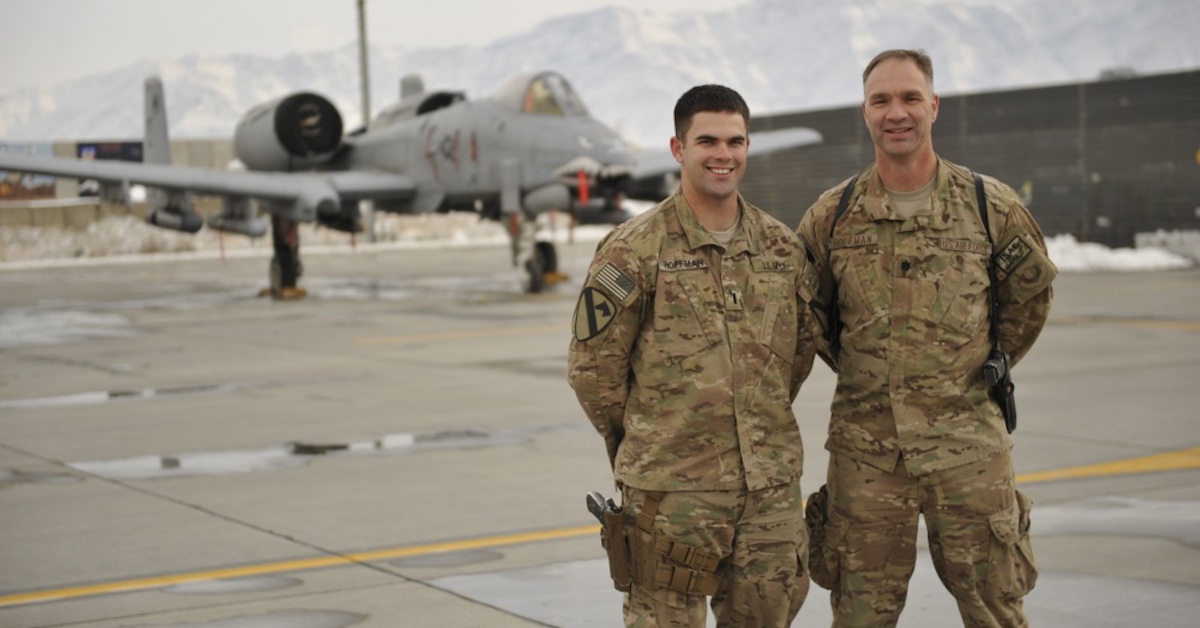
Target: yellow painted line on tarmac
x=1183, y=459
x=1180, y=460
x=1151, y=323
x=289, y=566
x=461, y=335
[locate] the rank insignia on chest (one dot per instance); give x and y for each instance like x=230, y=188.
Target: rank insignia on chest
x=593, y=313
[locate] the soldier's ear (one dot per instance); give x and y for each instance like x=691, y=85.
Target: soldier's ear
x=677, y=149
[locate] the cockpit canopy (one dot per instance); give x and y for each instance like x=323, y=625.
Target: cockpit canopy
x=546, y=93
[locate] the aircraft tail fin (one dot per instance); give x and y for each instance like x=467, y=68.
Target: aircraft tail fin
x=170, y=210
x=158, y=144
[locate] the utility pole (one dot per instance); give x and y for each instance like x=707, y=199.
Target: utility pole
x=366, y=208
x=362, y=62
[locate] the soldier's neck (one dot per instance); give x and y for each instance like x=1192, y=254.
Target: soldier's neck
x=908, y=172
x=714, y=214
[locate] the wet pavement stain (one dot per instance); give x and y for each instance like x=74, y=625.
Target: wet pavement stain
x=27, y=327
x=235, y=585
x=12, y=476
x=295, y=454
x=95, y=397
x=449, y=559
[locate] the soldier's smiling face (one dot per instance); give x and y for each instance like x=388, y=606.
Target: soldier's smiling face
x=713, y=154
x=899, y=107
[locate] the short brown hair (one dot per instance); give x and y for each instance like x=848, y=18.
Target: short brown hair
x=707, y=98
x=919, y=57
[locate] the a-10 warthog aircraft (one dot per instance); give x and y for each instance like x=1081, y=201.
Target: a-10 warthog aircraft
x=530, y=148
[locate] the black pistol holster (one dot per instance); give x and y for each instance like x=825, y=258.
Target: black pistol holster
x=999, y=380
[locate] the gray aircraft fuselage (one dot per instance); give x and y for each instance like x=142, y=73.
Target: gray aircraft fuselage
x=454, y=154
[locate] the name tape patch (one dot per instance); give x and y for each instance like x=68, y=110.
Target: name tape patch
x=862, y=239
x=950, y=244
x=767, y=266
x=682, y=264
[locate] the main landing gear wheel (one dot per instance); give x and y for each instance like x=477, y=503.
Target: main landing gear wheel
x=541, y=269
x=549, y=255
x=535, y=272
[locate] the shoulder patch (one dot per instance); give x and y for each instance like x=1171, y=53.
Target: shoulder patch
x=593, y=313
x=614, y=281
x=1013, y=254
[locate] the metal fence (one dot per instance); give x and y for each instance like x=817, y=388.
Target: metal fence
x=1102, y=160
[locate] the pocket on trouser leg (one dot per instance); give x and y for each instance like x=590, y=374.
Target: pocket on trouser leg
x=802, y=583
x=661, y=607
x=1012, y=572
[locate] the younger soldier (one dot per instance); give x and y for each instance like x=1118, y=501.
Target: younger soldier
x=691, y=340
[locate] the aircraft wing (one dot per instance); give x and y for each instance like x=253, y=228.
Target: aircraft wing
x=659, y=163
x=272, y=186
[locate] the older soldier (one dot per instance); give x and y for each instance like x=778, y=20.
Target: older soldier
x=913, y=429
x=691, y=339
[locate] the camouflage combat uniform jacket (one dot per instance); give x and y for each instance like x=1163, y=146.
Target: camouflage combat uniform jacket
x=686, y=357
x=914, y=307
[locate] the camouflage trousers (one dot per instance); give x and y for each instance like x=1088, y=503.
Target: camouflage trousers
x=978, y=525
x=760, y=537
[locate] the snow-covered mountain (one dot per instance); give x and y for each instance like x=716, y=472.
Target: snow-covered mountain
x=631, y=65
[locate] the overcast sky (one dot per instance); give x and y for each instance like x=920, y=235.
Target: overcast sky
x=47, y=41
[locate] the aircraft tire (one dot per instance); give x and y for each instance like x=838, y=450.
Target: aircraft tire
x=549, y=257
x=535, y=269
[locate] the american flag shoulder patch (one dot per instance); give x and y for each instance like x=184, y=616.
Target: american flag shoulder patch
x=615, y=282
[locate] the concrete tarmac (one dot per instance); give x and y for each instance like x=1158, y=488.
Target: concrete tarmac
x=401, y=449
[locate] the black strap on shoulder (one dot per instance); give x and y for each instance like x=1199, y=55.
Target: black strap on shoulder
x=993, y=302
x=843, y=203
x=833, y=312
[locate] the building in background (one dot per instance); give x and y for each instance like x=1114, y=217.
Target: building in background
x=18, y=186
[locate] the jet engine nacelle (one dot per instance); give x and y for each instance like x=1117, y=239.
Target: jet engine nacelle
x=295, y=132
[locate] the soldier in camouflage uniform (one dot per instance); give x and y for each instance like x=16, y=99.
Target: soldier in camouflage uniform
x=691, y=339
x=913, y=429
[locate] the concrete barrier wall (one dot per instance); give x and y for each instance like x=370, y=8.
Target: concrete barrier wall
x=77, y=214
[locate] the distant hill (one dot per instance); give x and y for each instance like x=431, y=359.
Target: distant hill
x=631, y=65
